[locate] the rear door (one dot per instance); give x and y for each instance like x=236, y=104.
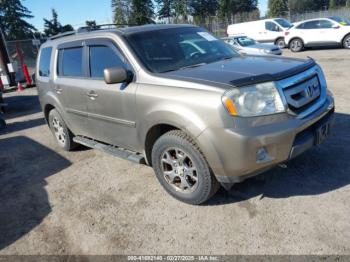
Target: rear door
x=312, y=34
x=70, y=84
x=111, y=107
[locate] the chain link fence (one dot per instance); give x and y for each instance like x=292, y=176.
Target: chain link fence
x=341, y=12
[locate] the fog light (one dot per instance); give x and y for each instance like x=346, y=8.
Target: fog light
x=262, y=156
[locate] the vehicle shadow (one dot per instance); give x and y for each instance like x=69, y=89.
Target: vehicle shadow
x=24, y=166
x=21, y=105
x=22, y=125
x=319, y=170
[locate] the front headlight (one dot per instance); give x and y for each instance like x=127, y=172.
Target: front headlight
x=256, y=100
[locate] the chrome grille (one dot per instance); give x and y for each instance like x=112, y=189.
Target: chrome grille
x=302, y=94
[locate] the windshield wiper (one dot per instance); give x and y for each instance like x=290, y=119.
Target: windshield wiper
x=192, y=66
x=184, y=67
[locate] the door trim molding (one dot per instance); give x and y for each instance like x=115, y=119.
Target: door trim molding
x=104, y=118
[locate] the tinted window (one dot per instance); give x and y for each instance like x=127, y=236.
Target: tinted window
x=312, y=24
x=102, y=57
x=44, y=63
x=283, y=22
x=325, y=24
x=70, y=62
x=245, y=41
x=270, y=26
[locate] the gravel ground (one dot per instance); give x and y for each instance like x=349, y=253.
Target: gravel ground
x=87, y=202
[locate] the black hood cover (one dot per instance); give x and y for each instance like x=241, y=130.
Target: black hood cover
x=243, y=70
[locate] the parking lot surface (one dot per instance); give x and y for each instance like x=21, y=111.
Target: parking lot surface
x=88, y=202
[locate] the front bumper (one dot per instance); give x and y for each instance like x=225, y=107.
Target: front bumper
x=232, y=153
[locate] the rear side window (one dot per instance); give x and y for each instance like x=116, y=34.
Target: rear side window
x=102, y=57
x=44, y=63
x=70, y=62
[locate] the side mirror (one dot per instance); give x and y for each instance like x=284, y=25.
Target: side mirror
x=115, y=75
x=336, y=26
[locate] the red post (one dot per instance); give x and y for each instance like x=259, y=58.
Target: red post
x=24, y=67
x=26, y=74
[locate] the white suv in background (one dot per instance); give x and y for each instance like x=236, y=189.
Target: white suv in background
x=332, y=31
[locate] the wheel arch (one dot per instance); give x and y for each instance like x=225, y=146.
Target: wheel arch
x=342, y=41
x=293, y=38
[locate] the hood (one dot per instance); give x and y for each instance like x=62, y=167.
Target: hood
x=242, y=70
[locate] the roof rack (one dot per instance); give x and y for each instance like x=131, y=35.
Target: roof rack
x=102, y=27
x=62, y=35
x=85, y=29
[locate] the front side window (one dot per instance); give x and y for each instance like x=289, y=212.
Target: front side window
x=70, y=62
x=44, y=62
x=312, y=25
x=325, y=24
x=102, y=57
x=283, y=22
x=173, y=49
x=270, y=26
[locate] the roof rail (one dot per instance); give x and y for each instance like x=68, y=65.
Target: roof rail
x=102, y=27
x=62, y=35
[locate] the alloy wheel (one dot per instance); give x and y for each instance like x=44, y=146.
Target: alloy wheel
x=59, y=131
x=179, y=170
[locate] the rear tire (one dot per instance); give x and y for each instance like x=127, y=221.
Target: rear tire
x=280, y=43
x=346, y=42
x=296, y=45
x=181, y=168
x=59, y=129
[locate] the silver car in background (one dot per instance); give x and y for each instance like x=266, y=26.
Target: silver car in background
x=249, y=46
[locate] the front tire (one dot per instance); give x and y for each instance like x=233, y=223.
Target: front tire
x=296, y=45
x=59, y=129
x=181, y=168
x=346, y=42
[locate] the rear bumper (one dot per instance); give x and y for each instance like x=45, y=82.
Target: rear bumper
x=232, y=154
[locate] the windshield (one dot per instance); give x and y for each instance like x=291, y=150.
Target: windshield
x=340, y=20
x=283, y=22
x=245, y=41
x=177, y=48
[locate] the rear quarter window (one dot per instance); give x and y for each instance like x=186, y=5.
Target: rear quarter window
x=45, y=61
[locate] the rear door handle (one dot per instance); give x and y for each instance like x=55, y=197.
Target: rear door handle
x=92, y=95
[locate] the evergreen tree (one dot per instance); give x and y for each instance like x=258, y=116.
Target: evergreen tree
x=166, y=8
x=91, y=24
x=121, y=11
x=12, y=20
x=202, y=9
x=54, y=27
x=141, y=12
x=229, y=8
x=332, y=4
x=278, y=8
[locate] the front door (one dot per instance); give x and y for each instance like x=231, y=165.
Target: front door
x=111, y=107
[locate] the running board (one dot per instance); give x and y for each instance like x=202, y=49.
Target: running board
x=112, y=150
